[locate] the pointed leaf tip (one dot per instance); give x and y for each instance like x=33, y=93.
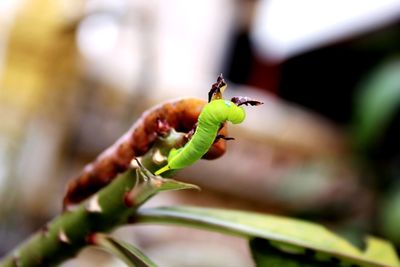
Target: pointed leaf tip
x=171, y=184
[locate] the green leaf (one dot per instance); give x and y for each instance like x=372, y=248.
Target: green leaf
x=129, y=254
x=389, y=216
x=377, y=101
x=146, y=186
x=266, y=255
x=292, y=235
x=160, y=183
x=383, y=250
x=170, y=184
x=149, y=184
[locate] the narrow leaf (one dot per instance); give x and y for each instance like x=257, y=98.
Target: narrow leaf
x=129, y=254
x=383, y=250
x=297, y=235
x=377, y=102
x=170, y=184
x=266, y=255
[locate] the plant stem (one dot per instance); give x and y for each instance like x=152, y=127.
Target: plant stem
x=67, y=234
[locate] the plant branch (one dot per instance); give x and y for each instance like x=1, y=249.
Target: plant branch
x=67, y=234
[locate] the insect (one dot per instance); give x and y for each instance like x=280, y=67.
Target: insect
x=212, y=117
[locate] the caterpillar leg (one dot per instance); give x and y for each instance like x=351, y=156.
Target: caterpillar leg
x=162, y=170
x=244, y=100
x=189, y=135
x=221, y=136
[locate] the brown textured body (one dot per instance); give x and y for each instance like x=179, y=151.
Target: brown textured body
x=180, y=114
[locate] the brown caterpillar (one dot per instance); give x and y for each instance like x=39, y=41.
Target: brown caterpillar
x=180, y=114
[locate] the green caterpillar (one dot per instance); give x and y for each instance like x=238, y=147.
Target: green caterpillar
x=213, y=115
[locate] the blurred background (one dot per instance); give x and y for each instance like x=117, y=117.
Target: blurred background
x=75, y=74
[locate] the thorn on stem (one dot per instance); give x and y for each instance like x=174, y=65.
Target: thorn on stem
x=93, y=206
x=16, y=260
x=158, y=158
x=63, y=238
x=44, y=230
x=135, y=163
x=69, y=207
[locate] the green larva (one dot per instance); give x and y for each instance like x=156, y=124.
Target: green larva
x=211, y=117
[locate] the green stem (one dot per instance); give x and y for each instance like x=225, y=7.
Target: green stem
x=67, y=234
